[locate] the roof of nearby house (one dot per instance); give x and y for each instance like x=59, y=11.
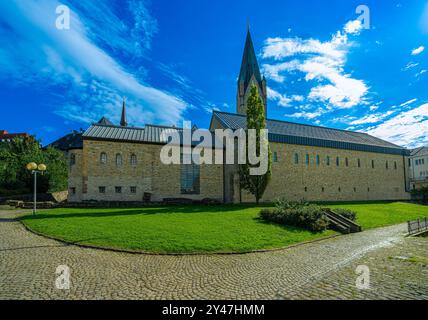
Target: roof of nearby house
x=4, y=135
x=149, y=134
x=71, y=141
x=296, y=133
x=421, y=151
x=105, y=121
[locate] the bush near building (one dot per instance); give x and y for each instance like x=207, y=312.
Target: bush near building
x=300, y=214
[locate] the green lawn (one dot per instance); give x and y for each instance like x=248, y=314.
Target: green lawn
x=374, y=215
x=185, y=229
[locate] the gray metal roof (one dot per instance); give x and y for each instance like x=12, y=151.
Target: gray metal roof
x=295, y=133
x=421, y=151
x=149, y=134
x=68, y=142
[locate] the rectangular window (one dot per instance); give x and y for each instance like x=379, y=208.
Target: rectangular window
x=347, y=162
x=190, y=176
x=102, y=189
x=296, y=158
x=328, y=160
x=307, y=159
x=337, y=161
x=73, y=190
x=275, y=157
x=373, y=164
x=395, y=165
x=318, y=160
x=133, y=189
x=72, y=159
x=359, y=163
x=118, y=189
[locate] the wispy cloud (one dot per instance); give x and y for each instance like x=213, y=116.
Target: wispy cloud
x=372, y=118
x=408, y=102
x=92, y=79
x=408, y=128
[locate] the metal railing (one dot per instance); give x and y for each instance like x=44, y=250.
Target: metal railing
x=417, y=226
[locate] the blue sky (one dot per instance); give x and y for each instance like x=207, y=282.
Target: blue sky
x=178, y=60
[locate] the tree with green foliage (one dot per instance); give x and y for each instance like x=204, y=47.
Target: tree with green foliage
x=16, y=179
x=256, y=184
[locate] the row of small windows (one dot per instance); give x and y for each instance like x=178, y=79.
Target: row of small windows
x=339, y=189
x=420, y=162
x=103, y=190
x=103, y=159
x=119, y=159
x=118, y=189
x=328, y=161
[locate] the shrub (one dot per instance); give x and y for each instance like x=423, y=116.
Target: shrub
x=306, y=216
x=283, y=204
x=349, y=214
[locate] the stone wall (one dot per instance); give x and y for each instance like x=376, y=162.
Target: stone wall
x=149, y=175
x=321, y=182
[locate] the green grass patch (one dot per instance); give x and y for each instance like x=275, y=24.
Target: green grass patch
x=374, y=215
x=180, y=229
x=191, y=229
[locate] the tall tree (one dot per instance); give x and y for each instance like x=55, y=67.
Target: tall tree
x=16, y=179
x=256, y=184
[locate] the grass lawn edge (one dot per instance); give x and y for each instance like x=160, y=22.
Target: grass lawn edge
x=201, y=253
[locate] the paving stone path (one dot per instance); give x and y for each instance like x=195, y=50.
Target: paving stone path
x=321, y=270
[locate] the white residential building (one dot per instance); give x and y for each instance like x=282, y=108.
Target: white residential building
x=418, y=162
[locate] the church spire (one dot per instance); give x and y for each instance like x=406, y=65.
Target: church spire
x=249, y=65
x=123, y=121
x=248, y=75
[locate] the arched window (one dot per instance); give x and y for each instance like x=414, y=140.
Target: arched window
x=347, y=162
x=328, y=160
x=118, y=159
x=337, y=161
x=72, y=159
x=103, y=158
x=359, y=163
x=133, y=160
x=296, y=158
x=318, y=160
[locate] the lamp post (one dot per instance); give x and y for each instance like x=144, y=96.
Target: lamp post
x=35, y=169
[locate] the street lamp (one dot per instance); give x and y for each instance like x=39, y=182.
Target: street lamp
x=35, y=168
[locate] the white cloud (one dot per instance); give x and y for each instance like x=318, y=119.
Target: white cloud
x=418, y=50
x=353, y=27
x=410, y=65
x=372, y=118
x=409, y=128
x=323, y=62
x=408, y=102
x=421, y=73
x=72, y=59
x=306, y=115
x=282, y=100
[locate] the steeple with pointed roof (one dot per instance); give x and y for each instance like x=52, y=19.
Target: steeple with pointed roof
x=248, y=75
x=123, y=121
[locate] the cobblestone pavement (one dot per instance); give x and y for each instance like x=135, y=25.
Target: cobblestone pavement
x=321, y=270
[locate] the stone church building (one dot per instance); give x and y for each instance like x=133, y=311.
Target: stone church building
x=122, y=163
